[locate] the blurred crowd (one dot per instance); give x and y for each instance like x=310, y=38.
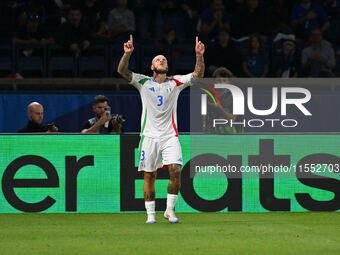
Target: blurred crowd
x=252, y=38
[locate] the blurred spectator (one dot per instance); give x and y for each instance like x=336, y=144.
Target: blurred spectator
x=31, y=35
x=224, y=54
x=222, y=109
x=180, y=14
x=318, y=59
x=74, y=35
x=103, y=122
x=255, y=63
x=170, y=13
x=287, y=63
x=148, y=16
x=332, y=7
x=212, y=20
x=169, y=39
x=56, y=3
x=121, y=20
x=35, y=7
x=61, y=6
x=189, y=10
x=202, y=5
x=92, y=17
x=169, y=36
x=278, y=17
x=189, y=7
x=235, y=6
x=10, y=13
x=251, y=20
x=222, y=72
x=54, y=13
x=306, y=16
x=35, y=113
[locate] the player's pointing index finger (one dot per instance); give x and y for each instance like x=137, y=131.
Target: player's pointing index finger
x=196, y=39
x=131, y=38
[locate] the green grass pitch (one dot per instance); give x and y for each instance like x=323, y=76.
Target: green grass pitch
x=197, y=233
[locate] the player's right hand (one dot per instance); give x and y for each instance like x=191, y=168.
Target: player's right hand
x=128, y=46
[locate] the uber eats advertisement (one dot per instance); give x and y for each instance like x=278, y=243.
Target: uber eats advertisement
x=230, y=173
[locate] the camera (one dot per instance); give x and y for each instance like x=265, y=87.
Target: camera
x=117, y=117
x=49, y=126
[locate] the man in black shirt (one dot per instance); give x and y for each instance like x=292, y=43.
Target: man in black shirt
x=35, y=113
x=73, y=34
x=32, y=35
x=103, y=122
x=224, y=54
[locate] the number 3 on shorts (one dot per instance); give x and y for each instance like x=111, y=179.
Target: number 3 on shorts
x=143, y=155
x=160, y=98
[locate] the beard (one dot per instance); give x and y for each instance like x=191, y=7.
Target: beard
x=160, y=71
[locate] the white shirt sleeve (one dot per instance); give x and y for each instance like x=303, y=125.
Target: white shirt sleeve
x=184, y=80
x=138, y=80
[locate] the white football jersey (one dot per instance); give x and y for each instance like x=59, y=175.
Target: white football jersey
x=159, y=115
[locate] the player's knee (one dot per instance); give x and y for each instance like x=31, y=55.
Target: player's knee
x=149, y=177
x=175, y=170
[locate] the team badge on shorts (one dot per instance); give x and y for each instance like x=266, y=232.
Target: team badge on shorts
x=142, y=165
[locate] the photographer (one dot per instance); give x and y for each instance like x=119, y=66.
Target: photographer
x=35, y=113
x=103, y=122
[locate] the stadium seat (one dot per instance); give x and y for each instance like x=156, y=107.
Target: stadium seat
x=116, y=52
x=6, y=58
x=61, y=63
x=148, y=51
x=183, y=57
x=30, y=65
x=94, y=62
x=333, y=33
x=337, y=56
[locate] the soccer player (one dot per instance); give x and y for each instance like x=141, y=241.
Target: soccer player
x=159, y=136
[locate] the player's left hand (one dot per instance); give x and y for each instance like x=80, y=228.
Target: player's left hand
x=199, y=49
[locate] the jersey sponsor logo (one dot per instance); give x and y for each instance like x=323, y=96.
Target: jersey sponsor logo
x=152, y=89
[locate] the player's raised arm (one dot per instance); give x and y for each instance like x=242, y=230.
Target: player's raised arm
x=124, y=61
x=199, y=67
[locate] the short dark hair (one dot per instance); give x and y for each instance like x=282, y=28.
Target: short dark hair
x=168, y=29
x=100, y=99
x=222, y=72
x=74, y=8
x=223, y=30
x=261, y=44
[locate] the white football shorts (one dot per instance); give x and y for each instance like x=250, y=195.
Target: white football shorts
x=158, y=152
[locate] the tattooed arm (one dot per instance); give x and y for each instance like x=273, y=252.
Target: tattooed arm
x=199, y=67
x=124, y=61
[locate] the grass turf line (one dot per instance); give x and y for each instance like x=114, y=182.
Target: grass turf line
x=197, y=233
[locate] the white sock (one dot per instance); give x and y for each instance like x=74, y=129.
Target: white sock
x=171, y=202
x=150, y=209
